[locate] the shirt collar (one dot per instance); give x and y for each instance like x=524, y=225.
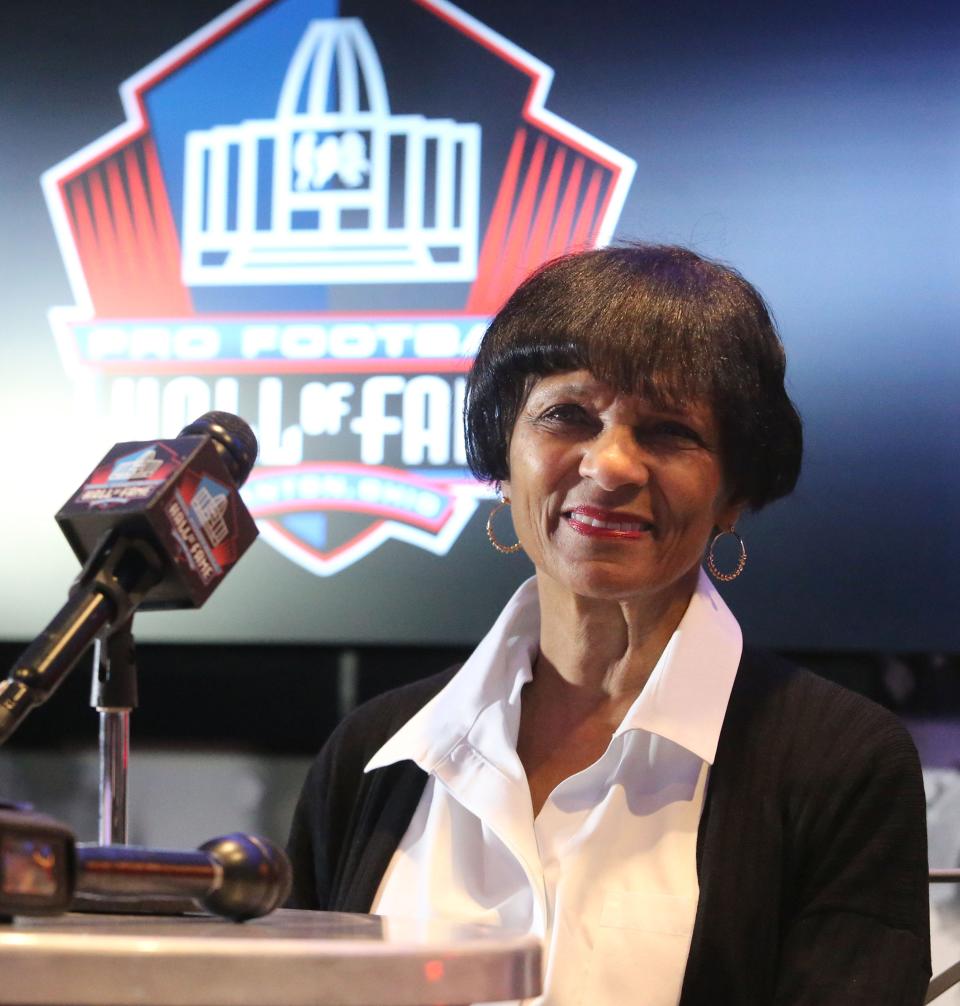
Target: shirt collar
x=494, y=673
x=684, y=700
x=686, y=696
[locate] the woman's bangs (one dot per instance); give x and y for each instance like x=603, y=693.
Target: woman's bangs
x=664, y=369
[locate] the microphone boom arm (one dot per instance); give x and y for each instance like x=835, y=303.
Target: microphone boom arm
x=116, y=577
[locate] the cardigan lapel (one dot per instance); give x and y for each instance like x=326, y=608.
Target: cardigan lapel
x=372, y=838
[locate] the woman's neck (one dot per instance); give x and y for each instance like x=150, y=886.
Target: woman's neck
x=605, y=649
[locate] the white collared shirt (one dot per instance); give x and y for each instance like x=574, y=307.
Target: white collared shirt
x=606, y=874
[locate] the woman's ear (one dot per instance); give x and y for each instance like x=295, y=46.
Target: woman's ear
x=728, y=514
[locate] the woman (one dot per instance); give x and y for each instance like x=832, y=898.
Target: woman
x=681, y=820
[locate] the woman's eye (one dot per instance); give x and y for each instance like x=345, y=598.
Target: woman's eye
x=566, y=413
x=676, y=430
x=671, y=430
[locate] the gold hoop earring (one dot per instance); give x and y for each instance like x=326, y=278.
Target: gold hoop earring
x=505, y=549
x=741, y=562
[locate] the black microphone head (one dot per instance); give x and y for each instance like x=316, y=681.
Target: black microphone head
x=256, y=876
x=233, y=438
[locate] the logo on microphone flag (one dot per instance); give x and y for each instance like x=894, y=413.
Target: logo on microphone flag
x=308, y=218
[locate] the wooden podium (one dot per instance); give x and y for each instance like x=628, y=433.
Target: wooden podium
x=290, y=958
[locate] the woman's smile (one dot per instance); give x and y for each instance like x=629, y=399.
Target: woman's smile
x=597, y=523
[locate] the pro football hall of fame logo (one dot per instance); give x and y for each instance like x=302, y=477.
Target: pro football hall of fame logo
x=308, y=218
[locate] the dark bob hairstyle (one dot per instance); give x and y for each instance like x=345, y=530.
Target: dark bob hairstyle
x=652, y=320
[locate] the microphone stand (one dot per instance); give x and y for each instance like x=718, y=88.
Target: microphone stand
x=113, y=694
x=239, y=876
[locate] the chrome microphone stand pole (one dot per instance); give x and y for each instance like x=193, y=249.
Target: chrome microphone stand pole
x=114, y=695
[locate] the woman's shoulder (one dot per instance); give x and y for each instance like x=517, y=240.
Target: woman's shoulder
x=364, y=730
x=769, y=684
x=807, y=719
x=807, y=724
x=814, y=762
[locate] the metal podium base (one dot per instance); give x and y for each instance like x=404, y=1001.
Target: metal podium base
x=289, y=958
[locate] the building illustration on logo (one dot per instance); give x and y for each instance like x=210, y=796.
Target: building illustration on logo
x=136, y=467
x=319, y=244
x=208, y=506
x=333, y=190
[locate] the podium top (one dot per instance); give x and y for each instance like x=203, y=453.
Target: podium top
x=290, y=958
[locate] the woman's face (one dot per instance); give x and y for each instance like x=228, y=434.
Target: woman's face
x=612, y=497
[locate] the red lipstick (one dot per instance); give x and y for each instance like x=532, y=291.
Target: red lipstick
x=596, y=523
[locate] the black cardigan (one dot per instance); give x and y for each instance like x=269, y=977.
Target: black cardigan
x=811, y=852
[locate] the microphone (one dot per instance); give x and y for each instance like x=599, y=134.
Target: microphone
x=237, y=877
x=157, y=525
x=180, y=496
x=45, y=871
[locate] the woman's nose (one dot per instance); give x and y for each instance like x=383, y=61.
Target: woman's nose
x=614, y=459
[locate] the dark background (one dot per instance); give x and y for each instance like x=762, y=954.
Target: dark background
x=815, y=147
